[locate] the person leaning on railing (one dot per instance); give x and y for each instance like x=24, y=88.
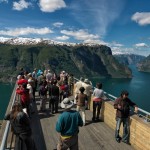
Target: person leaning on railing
x=98, y=97
x=122, y=106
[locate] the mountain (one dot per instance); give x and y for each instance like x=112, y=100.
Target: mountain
x=87, y=60
x=144, y=65
x=128, y=59
x=35, y=41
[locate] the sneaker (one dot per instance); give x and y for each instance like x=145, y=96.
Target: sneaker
x=126, y=142
x=118, y=139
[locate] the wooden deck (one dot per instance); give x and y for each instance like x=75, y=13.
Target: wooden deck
x=93, y=136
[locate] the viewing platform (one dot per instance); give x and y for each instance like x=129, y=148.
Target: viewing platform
x=93, y=136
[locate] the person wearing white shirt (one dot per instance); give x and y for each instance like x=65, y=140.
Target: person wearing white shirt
x=98, y=97
x=88, y=91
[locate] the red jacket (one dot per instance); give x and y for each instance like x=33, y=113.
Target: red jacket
x=25, y=98
x=21, y=81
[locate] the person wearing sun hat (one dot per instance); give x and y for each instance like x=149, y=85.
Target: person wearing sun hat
x=67, y=103
x=68, y=126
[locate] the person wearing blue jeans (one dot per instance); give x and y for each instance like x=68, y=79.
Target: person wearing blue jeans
x=126, y=129
x=122, y=106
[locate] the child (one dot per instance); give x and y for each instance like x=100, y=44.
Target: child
x=81, y=100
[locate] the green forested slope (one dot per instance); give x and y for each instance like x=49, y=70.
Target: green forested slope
x=79, y=60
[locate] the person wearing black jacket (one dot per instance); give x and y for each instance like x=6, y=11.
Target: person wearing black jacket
x=20, y=125
x=43, y=95
x=122, y=106
x=54, y=97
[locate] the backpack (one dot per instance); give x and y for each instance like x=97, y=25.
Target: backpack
x=63, y=87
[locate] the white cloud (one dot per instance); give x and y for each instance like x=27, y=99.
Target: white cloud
x=84, y=36
x=97, y=14
x=62, y=38
x=115, y=44
x=122, y=50
x=22, y=4
x=139, y=49
x=25, y=31
x=51, y=5
x=58, y=24
x=95, y=41
x=142, y=18
x=141, y=45
x=80, y=34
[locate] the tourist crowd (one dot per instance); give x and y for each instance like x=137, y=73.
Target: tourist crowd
x=62, y=91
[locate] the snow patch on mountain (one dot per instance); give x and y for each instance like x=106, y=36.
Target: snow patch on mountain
x=34, y=41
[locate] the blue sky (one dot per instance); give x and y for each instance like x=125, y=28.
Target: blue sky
x=124, y=25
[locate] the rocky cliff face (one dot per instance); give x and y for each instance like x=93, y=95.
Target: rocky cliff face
x=144, y=65
x=80, y=60
x=128, y=59
x=98, y=61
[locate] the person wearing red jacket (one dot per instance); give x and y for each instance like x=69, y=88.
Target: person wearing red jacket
x=22, y=80
x=24, y=97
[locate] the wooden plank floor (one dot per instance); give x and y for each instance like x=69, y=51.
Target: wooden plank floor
x=93, y=136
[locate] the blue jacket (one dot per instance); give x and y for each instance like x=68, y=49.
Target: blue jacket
x=68, y=123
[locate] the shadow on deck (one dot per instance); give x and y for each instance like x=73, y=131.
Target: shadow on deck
x=93, y=136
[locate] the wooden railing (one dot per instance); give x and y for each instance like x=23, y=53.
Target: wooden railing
x=139, y=123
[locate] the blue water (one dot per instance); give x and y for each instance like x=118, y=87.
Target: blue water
x=138, y=88
x=5, y=94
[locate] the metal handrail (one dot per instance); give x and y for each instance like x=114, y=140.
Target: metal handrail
x=4, y=139
x=5, y=135
x=144, y=114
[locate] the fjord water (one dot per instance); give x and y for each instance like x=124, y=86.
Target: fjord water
x=138, y=87
x=5, y=94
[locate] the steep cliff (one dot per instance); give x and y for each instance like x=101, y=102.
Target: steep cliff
x=144, y=65
x=128, y=59
x=79, y=60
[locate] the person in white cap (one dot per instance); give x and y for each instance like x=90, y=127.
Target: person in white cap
x=49, y=76
x=77, y=86
x=68, y=126
x=88, y=91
